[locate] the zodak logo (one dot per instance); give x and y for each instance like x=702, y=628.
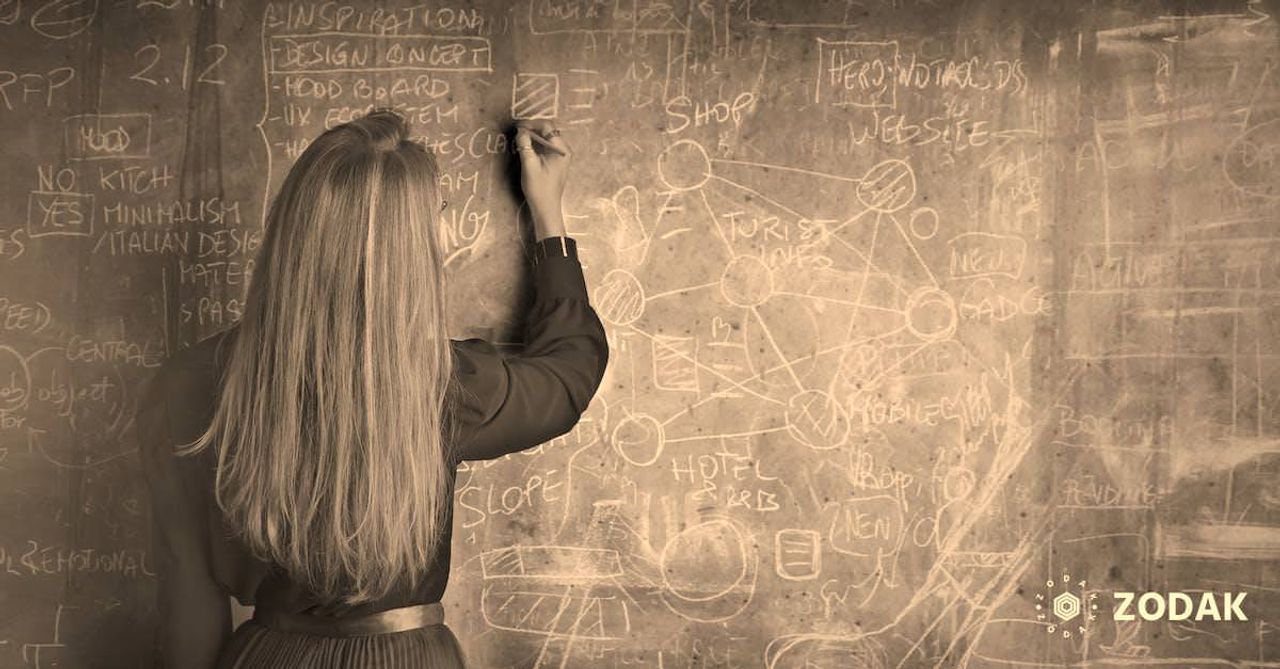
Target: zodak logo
x=1067, y=607
x=1067, y=610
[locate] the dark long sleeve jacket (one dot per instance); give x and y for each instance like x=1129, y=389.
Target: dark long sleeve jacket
x=508, y=403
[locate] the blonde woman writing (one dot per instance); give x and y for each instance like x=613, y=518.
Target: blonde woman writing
x=304, y=460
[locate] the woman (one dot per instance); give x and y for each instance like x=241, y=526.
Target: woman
x=304, y=461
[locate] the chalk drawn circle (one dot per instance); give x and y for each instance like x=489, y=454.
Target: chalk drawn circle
x=887, y=187
x=746, y=282
x=825, y=650
x=78, y=410
x=931, y=314
x=1252, y=162
x=62, y=19
x=88, y=398
x=924, y=223
x=711, y=557
x=816, y=420
x=639, y=439
x=619, y=298
x=684, y=165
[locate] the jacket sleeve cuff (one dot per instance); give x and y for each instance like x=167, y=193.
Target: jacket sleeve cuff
x=556, y=270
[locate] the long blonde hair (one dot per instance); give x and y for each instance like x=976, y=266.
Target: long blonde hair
x=330, y=428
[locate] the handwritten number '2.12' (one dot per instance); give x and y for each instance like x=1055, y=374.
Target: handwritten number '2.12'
x=206, y=76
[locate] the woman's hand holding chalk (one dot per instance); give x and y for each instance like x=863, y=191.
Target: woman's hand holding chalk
x=542, y=176
x=544, y=142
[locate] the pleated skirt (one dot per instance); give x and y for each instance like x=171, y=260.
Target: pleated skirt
x=256, y=646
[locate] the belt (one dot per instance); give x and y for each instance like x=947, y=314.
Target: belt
x=383, y=622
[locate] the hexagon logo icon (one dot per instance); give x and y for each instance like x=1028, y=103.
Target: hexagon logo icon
x=1066, y=606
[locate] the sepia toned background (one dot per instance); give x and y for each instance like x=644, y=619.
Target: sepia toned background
x=922, y=313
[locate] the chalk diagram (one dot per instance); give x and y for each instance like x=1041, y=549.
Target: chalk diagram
x=868, y=307
x=74, y=414
x=851, y=252
x=570, y=596
x=861, y=303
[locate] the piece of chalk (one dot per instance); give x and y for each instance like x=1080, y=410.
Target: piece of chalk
x=539, y=139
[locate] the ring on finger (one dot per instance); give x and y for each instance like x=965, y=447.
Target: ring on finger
x=555, y=132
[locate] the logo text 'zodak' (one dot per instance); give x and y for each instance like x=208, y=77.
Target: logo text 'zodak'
x=1179, y=606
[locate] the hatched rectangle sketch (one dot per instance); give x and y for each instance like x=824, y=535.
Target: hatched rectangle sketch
x=574, y=614
x=534, y=96
x=554, y=563
x=675, y=363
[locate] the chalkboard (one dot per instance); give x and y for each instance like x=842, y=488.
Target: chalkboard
x=934, y=324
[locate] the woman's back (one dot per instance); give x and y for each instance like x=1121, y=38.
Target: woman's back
x=321, y=479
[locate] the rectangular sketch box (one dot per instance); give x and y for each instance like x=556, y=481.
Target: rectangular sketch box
x=675, y=364
x=357, y=53
x=1219, y=541
x=982, y=254
x=857, y=74
x=556, y=612
x=791, y=14
x=579, y=17
x=105, y=136
x=534, y=95
x=797, y=554
x=59, y=213
x=556, y=563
